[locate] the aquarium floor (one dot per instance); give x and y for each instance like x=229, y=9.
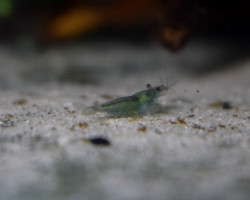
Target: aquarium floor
x=193, y=144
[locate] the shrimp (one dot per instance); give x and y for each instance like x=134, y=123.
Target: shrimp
x=130, y=106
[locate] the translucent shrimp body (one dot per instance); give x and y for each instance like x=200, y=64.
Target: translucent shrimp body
x=134, y=105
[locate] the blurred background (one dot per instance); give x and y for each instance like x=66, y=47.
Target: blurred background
x=54, y=53
x=196, y=36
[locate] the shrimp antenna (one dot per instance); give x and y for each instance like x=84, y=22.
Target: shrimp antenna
x=169, y=85
x=159, y=76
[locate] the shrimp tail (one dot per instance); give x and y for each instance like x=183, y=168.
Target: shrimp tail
x=85, y=110
x=90, y=110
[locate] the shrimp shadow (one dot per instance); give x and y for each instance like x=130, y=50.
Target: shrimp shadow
x=159, y=109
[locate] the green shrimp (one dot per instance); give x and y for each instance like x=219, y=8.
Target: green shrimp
x=130, y=106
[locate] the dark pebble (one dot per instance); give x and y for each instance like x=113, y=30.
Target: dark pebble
x=100, y=140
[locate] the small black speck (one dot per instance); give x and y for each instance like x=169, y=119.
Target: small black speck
x=226, y=105
x=100, y=140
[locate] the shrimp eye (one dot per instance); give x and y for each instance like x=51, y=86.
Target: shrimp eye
x=158, y=89
x=148, y=85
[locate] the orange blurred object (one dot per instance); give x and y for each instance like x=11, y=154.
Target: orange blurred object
x=83, y=18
